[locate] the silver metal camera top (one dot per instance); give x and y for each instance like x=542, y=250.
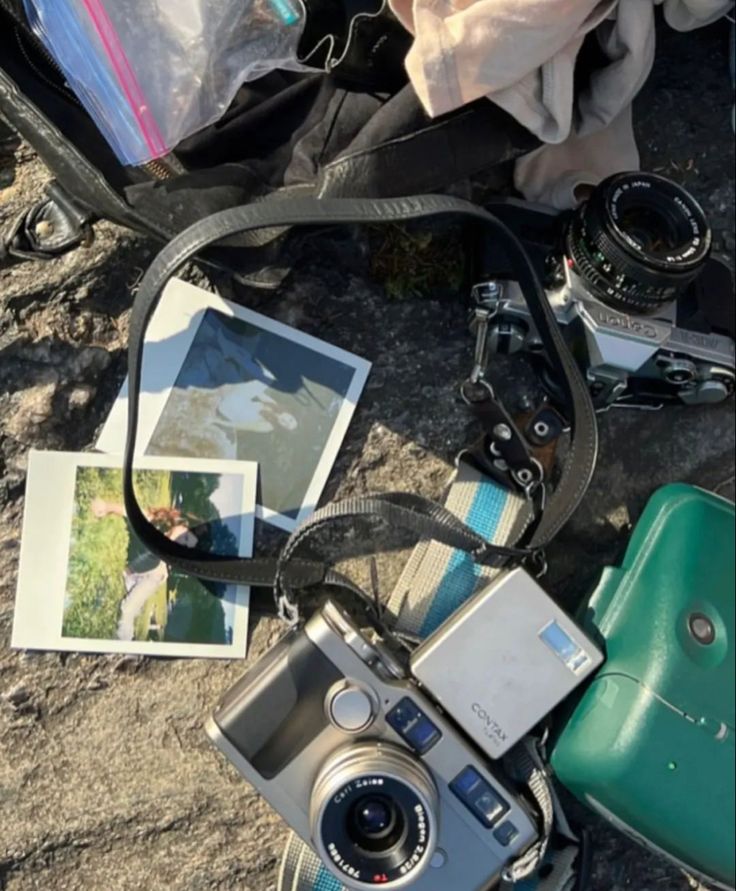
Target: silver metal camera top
x=341, y=624
x=376, y=653
x=697, y=367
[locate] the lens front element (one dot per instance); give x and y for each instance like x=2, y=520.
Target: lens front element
x=374, y=817
x=377, y=824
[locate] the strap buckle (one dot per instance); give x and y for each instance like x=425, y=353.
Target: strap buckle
x=475, y=391
x=528, y=480
x=480, y=322
x=50, y=228
x=486, y=297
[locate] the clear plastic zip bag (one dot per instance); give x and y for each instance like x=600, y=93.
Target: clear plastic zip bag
x=153, y=72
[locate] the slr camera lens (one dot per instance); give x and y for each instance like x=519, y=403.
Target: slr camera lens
x=638, y=242
x=374, y=816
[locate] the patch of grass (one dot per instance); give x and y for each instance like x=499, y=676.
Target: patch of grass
x=97, y=557
x=153, y=488
x=101, y=548
x=417, y=263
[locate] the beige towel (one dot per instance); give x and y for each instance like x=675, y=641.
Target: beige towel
x=522, y=53
x=562, y=175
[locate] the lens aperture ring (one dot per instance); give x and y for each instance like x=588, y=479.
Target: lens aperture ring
x=625, y=294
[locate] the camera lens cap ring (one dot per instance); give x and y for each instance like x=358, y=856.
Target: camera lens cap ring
x=350, y=708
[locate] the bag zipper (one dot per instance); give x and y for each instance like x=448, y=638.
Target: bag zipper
x=165, y=168
x=46, y=56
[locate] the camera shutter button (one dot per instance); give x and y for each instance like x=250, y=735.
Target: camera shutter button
x=351, y=709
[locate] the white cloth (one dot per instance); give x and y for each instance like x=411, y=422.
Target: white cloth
x=561, y=175
x=521, y=54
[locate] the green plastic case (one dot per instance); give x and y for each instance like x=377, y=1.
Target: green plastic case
x=650, y=745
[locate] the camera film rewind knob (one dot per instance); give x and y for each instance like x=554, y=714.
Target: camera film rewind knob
x=350, y=708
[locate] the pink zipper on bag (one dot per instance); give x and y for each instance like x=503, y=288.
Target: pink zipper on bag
x=126, y=77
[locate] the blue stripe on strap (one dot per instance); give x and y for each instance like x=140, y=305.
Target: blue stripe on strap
x=461, y=574
x=326, y=881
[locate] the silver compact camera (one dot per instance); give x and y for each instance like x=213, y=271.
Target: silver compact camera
x=646, y=311
x=363, y=766
x=382, y=761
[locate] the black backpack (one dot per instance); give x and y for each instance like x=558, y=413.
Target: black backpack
x=359, y=131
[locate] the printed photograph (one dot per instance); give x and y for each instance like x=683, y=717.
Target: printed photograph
x=248, y=394
x=116, y=589
x=113, y=593
x=244, y=387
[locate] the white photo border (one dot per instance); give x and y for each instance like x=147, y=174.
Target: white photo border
x=47, y=528
x=174, y=327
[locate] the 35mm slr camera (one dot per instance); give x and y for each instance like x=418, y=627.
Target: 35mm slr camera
x=647, y=312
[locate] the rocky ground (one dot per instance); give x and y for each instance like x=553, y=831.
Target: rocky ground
x=106, y=779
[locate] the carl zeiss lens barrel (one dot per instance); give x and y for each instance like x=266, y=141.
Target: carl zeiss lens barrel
x=374, y=817
x=638, y=242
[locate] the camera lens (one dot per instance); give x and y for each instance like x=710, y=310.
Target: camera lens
x=374, y=816
x=638, y=242
x=651, y=229
x=376, y=824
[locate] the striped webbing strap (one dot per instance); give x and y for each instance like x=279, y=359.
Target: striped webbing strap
x=437, y=580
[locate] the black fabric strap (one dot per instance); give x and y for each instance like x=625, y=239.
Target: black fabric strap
x=581, y=458
x=426, y=519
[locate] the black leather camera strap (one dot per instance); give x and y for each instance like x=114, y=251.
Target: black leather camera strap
x=418, y=514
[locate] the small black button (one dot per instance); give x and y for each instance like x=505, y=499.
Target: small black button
x=479, y=797
x=506, y=833
x=490, y=807
x=414, y=726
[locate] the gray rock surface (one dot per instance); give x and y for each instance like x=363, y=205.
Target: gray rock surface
x=106, y=779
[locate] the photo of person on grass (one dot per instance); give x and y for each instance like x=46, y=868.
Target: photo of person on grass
x=118, y=590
